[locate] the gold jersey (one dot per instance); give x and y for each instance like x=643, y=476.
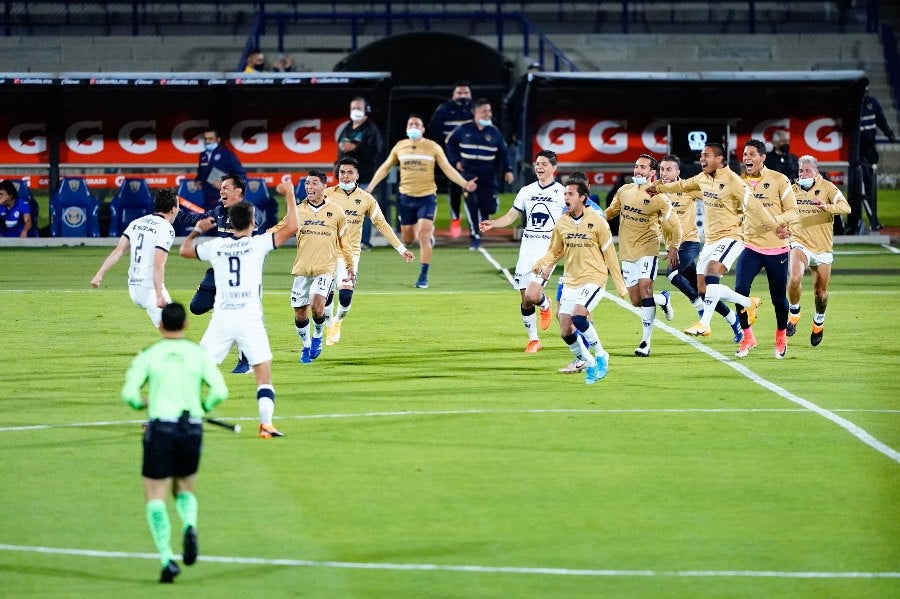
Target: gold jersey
x=773, y=192
x=356, y=205
x=587, y=244
x=815, y=229
x=639, y=221
x=686, y=209
x=322, y=234
x=417, y=160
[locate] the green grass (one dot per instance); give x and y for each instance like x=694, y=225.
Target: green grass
x=481, y=455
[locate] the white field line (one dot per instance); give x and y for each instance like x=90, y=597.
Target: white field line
x=890, y=248
x=845, y=424
x=457, y=568
x=495, y=264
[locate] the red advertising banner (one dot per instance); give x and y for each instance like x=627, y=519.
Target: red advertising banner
x=156, y=180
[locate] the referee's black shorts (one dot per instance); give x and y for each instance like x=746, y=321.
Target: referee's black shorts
x=171, y=449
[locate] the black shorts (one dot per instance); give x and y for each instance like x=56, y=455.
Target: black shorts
x=170, y=450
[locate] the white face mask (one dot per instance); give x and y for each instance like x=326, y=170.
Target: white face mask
x=484, y=122
x=346, y=186
x=639, y=180
x=357, y=115
x=210, y=146
x=414, y=134
x=806, y=183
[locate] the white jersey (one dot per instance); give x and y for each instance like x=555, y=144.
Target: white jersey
x=541, y=208
x=145, y=235
x=238, y=265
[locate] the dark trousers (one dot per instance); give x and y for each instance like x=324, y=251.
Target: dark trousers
x=749, y=263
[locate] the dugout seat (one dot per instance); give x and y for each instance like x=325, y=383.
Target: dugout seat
x=190, y=199
x=300, y=190
x=132, y=201
x=266, y=212
x=24, y=193
x=74, y=211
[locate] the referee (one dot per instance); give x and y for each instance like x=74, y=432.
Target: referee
x=174, y=369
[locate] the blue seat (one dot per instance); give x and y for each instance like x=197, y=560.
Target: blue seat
x=266, y=212
x=24, y=193
x=300, y=190
x=190, y=198
x=132, y=201
x=74, y=211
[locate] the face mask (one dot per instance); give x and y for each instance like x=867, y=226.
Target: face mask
x=346, y=186
x=639, y=180
x=463, y=101
x=414, y=134
x=210, y=147
x=805, y=183
x=484, y=122
x=357, y=115
x=784, y=149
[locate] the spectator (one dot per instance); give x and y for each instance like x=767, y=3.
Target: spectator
x=863, y=181
x=780, y=158
x=283, y=64
x=447, y=117
x=361, y=139
x=15, y=213
x=256, y=62
x=216, y=161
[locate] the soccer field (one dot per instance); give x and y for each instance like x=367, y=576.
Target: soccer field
x=427, y=456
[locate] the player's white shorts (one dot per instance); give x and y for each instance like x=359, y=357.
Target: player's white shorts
x=305, y=287
x=642, y=268
x=145, y=297
x=341, y=273
x=528, y=257
x=814, y=259
x=725, y=250
x=588, y=295
x=227, y=327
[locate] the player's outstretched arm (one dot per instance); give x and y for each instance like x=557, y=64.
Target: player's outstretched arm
x=113, y=257
x=291, y=224
x=187, y=249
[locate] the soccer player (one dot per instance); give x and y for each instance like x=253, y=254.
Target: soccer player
x=541, y=204
x=766, y=246
x=812, y=241
x=174, y=370
x=238, y=313
x=321, y=235
x=356, y=204
x=639, y=233
x=584, y=238
x=418, y=200
x=726, y=198
x=148, y=238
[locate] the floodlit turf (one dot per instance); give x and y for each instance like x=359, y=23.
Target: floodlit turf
x=427, y=456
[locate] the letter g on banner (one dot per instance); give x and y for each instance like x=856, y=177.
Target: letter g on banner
x=557, y=135
x=250, y=136
x=823, y=135
x=28, y=138
x=303, y=136
x=609, y=137
x=85, y=137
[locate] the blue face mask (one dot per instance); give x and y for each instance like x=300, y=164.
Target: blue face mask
x=484, y=122
x=639, y=180
x=346, y=186
x=806, y=183
x=210, y=147
x=414, y=134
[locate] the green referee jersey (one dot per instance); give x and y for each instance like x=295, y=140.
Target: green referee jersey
x=175, y=370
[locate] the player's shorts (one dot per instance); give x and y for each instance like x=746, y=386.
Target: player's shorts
x=305, y=287
x=145, y=297
x=825, y=258
x=725, y=250
x=588, y=295
x=246, y=329
x=642, y=268
x=412, y=209
x=171, y=449
x=525, y=266
x=341, y=273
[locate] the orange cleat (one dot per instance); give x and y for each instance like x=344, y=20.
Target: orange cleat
x=267, y=431
x=455, y=229
x=546, y=318
x=533, y=347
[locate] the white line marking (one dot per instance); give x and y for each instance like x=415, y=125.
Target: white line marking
x=845, y=424
x=456, y=568
x=495, y=264
x=890, y=248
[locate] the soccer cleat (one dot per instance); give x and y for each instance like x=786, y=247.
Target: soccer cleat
x=546, y=318
x=242, y=367
x=304, y=356
x=169, y=572
x=533, y=347
x=818, y=331
x=574, y=367
x=455, y=229
x=780, y=343
x=475, y=244
x=334, y=333
x=602, y=366
x=667, y=307
x=643, y=350
x=189, y=550
x=793, y=319
x=751, y=310
x=747, y=343
x=267, y=431
x=738, y=333
x=422, y=283
x=591, y=375
x=315, y=348
x=698, y=329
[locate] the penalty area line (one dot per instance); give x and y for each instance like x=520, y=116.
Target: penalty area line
x=545, y=571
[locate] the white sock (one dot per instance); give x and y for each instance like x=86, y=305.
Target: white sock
x=530, y=322
x=660, y=299
x=819, y=318
x=545, y=304
x=578, y=349
x=698, y=303
x=593, y=339
x=342, y=312
x=266, y=406
x=729, y=295
x=648, y=313
x=303, y=333
x=713, y=293
x=318, y=329
x=731, y=317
